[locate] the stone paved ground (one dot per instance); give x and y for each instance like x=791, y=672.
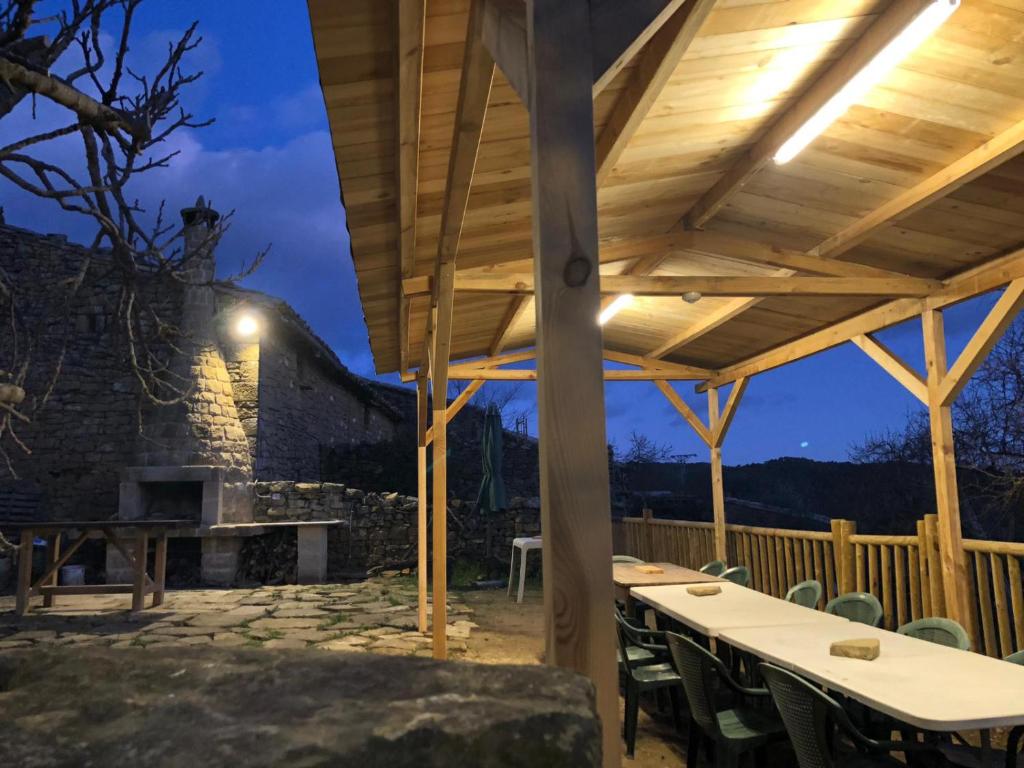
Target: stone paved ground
x=378, y=615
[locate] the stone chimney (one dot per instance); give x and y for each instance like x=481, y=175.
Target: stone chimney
x=204, y=430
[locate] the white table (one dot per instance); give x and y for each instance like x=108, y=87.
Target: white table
x=735, y=607
x=924, y=684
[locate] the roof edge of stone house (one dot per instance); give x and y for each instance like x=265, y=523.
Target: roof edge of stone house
x=298, y=325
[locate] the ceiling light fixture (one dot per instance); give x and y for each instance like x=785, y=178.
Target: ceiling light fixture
x=692, y=297
x=915, y=33
x=620, y=303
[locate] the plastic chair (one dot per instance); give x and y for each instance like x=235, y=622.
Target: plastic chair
x=643, y=676
x=862, y=607
x=812, y=719
x=645, y=646
x=626, y=559
x=738, y=575
x=806, y=593
x=1015, y=658
x=714, y=568
x=935, y=630
x=735, y=731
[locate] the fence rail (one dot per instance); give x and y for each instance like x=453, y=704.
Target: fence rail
x=903, y=572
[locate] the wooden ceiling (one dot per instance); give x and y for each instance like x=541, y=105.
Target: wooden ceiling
x=920, y=178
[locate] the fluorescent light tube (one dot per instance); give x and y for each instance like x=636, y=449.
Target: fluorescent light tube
x=620, y=303
x=915, y=33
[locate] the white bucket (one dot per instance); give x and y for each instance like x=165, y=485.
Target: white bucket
x=72, y=574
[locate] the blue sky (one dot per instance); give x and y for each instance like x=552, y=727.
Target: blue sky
x=268, y=157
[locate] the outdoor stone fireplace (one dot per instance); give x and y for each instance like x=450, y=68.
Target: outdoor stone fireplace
x=172, y=493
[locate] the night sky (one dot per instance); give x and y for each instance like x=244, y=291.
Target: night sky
x=268, y=157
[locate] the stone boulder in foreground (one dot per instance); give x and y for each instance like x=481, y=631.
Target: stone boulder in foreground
x=231, y=707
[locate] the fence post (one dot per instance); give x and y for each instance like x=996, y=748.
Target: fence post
x=648, y=534
x=842, y=551
x=931, y=548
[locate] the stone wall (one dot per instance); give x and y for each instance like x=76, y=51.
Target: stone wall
x=85, y=432
x=380, y=528
x=304, y=409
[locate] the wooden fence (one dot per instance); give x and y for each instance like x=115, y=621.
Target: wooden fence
x=903, y=572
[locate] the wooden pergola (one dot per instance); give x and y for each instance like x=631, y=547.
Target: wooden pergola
x=510, y=167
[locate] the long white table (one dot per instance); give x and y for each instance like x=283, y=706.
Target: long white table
x=735, y=607
x=924, y=684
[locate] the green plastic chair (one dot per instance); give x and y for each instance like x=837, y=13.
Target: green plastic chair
x=735, y=731
x=643, y=676
x=626, y=559
x=813, y=719
x=738, y=575
x=806, y=593
x=936, y=630
x=714, y=568
x=862, y=607
x=644, y=646
x=1015, y=658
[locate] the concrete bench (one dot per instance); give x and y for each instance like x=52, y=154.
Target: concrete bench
x=311, y=567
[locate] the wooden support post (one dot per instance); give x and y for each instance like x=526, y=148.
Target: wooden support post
x=52, y=556
x=439, y=588
x=160, y=569
x=575, y=498
x=947, y=500
x=842, y=553
x=139, y=581
x=421, y=497
x=717, y=484
x=24, y=572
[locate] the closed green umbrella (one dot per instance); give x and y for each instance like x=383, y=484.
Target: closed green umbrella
x=492, y=488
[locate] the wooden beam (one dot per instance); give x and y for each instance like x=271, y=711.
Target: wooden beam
x=474, y=93
x=421, y=501
x=751, y=251
x=504, y=35
x=984, y=339
x=656, y=64
x=457, y=404
x=947, y=500
x=685, y=411
x=711, y=285
x=574, y=486
x=487, y=362
x=989, y=155
x=729, y=412
x=894, y=365
x=966, y=285
x=460, y=373
x=690, y=371
x=717, y=480
x=619, y=31
x=410, y=18
x=705, y=325
x=888, y=25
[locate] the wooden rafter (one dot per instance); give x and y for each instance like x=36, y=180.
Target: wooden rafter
x=656, y=365
x=946, y=181
x=989, y=155
x=880, y=34
x=894, y=365
x=724, y=421
x=656, y=64
x=968, y=284
x=460, y=373
x=410, y=21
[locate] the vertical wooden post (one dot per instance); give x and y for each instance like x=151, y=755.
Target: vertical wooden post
x=947, y=500
x=139, y=583
x=574, y=483
x=842, y=551
x=24, y=572
x=930, y=550
x=717, y=484
x=52, y=556
x=439, y=590
x=160, y=569
x=421, y=497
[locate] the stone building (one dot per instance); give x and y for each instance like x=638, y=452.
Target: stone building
x=268, y=396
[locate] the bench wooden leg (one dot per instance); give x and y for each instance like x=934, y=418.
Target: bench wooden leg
x=139, y=585
x=24, y=572
x=159, y=569
x=52, y=556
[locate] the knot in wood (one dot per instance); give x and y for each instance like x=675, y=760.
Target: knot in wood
x=577, y=271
